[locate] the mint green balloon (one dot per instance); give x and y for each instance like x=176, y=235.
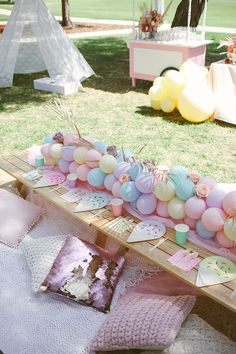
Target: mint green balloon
x=164, y=191
x=230, y=228
x=176, y=208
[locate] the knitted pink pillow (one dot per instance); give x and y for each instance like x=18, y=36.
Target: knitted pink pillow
x=142, y=321
x=17, y=216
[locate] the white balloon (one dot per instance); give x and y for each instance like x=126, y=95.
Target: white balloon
x=168, y=105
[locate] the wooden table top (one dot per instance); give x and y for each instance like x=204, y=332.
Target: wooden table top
x=17, y=164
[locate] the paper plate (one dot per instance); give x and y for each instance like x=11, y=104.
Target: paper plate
x=92, y=201
x=215, y=270
x=147, y=230
x=50, y=179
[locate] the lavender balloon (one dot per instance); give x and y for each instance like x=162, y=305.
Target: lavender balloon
x=64, y=165
x=136, y=169
x=145, y=183
x=147, y=203
x=67, y=153
x=122, y=168
x=109, y=181
x=215, y=198
x=116, y=189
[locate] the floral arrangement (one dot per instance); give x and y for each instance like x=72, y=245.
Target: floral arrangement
x=230, y=43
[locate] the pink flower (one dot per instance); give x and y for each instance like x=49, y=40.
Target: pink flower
x=201, y=190
x=124, y=178
x=194, y=176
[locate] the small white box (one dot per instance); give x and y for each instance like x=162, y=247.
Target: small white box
x=57, y=84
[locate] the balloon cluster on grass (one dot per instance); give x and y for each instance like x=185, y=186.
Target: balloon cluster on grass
x=186, y=90
x=176, y=192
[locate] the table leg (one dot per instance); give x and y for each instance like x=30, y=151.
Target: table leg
x=22, y=189
x=101, y=239
x=122, y=250
x=133, y=82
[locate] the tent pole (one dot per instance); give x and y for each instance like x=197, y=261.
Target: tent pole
x=133, y=14
x=204, y=21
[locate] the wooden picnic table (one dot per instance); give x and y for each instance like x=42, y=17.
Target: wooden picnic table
x=16, y=165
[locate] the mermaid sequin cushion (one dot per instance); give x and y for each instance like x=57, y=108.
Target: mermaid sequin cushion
x=84, y=273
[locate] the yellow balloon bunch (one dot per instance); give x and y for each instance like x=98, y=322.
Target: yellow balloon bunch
x=187, y=90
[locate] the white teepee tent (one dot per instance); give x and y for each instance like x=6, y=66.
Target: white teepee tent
x=34, y=41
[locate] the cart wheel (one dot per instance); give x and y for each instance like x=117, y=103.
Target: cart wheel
x=167, y=69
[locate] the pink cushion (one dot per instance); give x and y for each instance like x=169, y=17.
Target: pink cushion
x=17, y=216
x=84, y=273
x=143, y=321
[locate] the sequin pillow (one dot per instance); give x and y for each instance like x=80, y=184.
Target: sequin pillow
x=84, y=273
x=17, y=217
x=143, y=321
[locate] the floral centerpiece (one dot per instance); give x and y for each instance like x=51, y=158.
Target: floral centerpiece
x=230, y=43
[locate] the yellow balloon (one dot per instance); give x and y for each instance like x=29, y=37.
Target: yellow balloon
x=196, y=104
x=230, y=228
x=176, y=208
x=156, y=105
x=55, y=150
x=79, y=154
x=157, y=93
x=174, y=83
x=188, y=67
x=164, y=191
x=168, y=105
x=158, y=81
x=107, y=163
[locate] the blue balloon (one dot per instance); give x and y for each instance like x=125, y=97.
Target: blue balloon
x=128, y=154
x=129, y=192
x=96, y=177
x=48, y=139
x=202, y=231
x=101, y=146
x=177, y=173
x=136, y=169
x=185, y=189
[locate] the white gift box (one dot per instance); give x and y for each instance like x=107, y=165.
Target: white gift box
x=58, y=84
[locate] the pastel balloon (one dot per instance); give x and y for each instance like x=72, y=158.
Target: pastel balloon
x=165, y=191
x=50, y=161
x=215, y=198
x=55, y=151
x=92, y=158
x=194, y=207
x=157, y=93
x=162, y=209
x=190, y=222
x=147, y=203
x=96, y=177
x=156, y=105
x=230, y=229
x=71, y=139
x=67, y=153
x=196, y=103
x=174, y=83
x=145, y=182
x=129, y=192
x=137, y=168
x=208, y=181
x=203, y=232
x=101, y=146
x=82, y=172
x=229, y=203
x=179, y=171
x=223, y=240
x=116, y=189
x=158, y=81
x=73, y=167
x=109, y=181
x=64, y=166
x=168, y=105
x=122, y=168
x=45, y=150
x=125, y=153
x=107, y=163
x=176, y=208
x=185, y=189
x=48, y=139
x=80, y=154
x=213, y=219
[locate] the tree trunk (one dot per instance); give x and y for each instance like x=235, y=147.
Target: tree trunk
x=181, y=15
x=65, y=7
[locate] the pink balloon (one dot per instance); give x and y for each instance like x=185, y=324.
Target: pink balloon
x=67, y=153
x=223, y=240
x=229, y=203
x=33, y=152
x=45, y=150
x=63, y=166
x=73, y=167
x=208, y=181
x=147, y=203
x=92, y=158
x=71, y=139
x=82, y=172
x=122, y=168
x=215, y=198
x=162, y=209
x=194, y=207
x=109, y=181
x=213, y=219
x=116, y=189
x=190, y=222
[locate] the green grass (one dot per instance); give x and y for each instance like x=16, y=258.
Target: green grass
x=220, y=13
x=111, y=110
